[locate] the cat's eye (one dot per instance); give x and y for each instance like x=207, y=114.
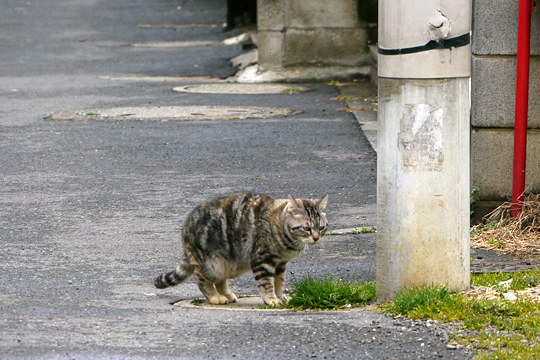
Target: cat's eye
x=306, y=228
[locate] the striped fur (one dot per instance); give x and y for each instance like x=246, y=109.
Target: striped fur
x=226, y=237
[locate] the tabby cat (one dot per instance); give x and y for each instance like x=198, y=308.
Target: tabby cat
x=228, y=236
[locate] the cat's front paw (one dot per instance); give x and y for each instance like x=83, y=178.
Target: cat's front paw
x=218, y=300
x=273, y=301
x=231, y=297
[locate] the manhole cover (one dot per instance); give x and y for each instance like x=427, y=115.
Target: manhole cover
x=175, y=44
x=175, y=113
x=244, y=303
x=178, y=26
x=249, y=89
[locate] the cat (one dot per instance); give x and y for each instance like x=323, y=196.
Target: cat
x=240, y=13
x=228, y=236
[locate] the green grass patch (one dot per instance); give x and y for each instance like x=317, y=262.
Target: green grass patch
x=291, y=90
x=519, y=280
x=197, y=301
x=364, y=230
x=435, y=303
x=499, y=329
x=477, y=229
x=344, y=99
x=497, y=243
x=494, y=327
x=474, y=198
x=329, y=294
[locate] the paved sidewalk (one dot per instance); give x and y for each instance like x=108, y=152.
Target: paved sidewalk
x=91, y=206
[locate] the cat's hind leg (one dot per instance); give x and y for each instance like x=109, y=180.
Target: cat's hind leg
x=209, y=290
x=223, y=288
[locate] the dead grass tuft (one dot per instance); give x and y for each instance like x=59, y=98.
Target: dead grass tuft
x=503, y=233
x=490, y=293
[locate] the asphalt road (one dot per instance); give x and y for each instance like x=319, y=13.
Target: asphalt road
x=90, y=211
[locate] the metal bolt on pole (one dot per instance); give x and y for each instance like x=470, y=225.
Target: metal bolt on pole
x=423, y=145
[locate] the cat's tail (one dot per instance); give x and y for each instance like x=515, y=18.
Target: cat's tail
x=175, y=277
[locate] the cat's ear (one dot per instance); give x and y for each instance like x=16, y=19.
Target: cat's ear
x=293, y=201
x=321, y=203
x=283, y=206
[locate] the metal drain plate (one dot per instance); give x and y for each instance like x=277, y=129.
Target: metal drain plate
x=175, y=113
x=179, y=26
x=246, y=89
x=176, y=44
x=246, y=303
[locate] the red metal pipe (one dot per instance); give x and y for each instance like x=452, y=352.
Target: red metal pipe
x=522, y=104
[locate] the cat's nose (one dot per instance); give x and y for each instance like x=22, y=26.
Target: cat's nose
x=315, y=235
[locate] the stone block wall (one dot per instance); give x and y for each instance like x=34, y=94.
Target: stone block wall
x=311, y=33
x=493, y=99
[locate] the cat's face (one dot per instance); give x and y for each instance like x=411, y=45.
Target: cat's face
x=305, y=220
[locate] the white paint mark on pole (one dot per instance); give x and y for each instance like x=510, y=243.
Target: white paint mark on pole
x=421, y=137
x=421, y=115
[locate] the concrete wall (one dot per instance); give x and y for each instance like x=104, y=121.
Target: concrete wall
x=311, y=33
x=493, y=97
x=301, y=34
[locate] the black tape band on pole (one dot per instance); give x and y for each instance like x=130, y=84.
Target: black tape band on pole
x=454, y=42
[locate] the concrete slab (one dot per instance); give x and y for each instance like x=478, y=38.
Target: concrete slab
x=491, y=162
x=361, y=99
x=317, y=13
x=324, y=47
x=491, y=26
x=153, y=78
x=251, y=74
x=174, y=113
x=494, y=92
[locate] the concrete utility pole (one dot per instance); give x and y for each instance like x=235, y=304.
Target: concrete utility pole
x=423, y=145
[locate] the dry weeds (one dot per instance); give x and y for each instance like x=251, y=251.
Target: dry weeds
x=503, y=233
x=491, y=293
